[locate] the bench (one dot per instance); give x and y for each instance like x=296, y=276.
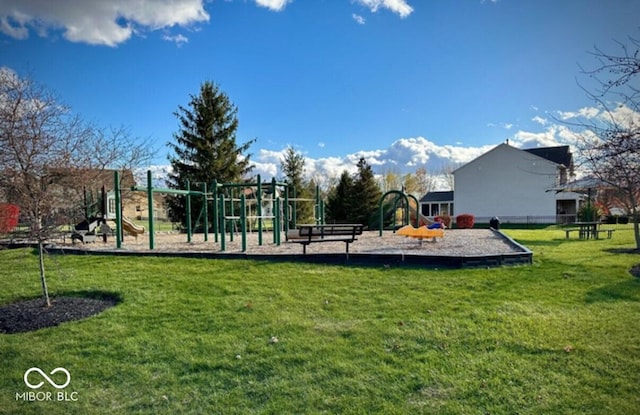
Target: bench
x=582, y=234
x=308, y=234
x=608, y=231
x=568, y=231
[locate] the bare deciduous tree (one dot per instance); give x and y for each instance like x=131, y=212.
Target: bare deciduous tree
x=609, y=144
x=48, y=155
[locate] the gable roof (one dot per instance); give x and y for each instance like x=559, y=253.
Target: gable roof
x=446, y=196
x=558, y=155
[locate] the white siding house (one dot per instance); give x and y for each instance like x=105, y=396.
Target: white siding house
x=510, y=182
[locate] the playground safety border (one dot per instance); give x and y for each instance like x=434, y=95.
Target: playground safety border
x=523, y=256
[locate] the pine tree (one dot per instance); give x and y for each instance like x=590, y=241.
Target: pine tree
x=205, y=148
x=366, y=194
x=293, y=168
x=340, y=199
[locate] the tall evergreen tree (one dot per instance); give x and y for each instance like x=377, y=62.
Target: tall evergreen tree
x=366, y=194
x=293, y=168
x=205, y=148
x=340, y=199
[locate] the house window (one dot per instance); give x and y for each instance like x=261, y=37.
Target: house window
x=434, y=209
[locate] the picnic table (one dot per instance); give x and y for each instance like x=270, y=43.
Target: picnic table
x=589, y=230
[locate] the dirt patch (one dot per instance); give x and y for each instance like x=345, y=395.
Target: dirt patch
x=635, y=270
x=32, y=315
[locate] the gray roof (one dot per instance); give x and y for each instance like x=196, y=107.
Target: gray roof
x=582, y=185
x=437, y=197
x=559, y=155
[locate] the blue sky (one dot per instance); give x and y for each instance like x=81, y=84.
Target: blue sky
x=405, y=83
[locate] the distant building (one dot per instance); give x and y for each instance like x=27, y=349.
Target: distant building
x=437, y=203
x=512, y=184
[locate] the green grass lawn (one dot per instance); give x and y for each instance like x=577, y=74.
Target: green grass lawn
x=194, y=336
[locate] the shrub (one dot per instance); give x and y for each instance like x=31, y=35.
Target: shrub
x=465, y=221
x=588, y=213
x=9, y=215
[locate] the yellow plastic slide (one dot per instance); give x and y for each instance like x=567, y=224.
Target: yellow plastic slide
x=420, y=232
x=131, y=227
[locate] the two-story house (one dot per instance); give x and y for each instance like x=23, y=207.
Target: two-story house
x=513, y=184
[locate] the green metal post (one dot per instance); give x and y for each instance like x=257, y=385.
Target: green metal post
x=276, y=222
x=274, y=211
x=206, y=212
x=116, y=189
x=285, y=208
x=215, y=210
x=189, y=230
x=232, y=213
x=259, y=211
x=243, y=220
x=381, y=217
x=223, y=224
x=150, y=204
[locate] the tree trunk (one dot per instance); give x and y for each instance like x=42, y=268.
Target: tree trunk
x=636, y=228
x=43, y=279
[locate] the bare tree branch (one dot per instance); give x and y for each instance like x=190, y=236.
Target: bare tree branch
x=48, y=155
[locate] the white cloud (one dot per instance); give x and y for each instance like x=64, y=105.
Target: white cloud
x=359, y=19
x=404, y=155
x=538, y=119
x=506, y=126
x=586, y=112
x=178, y=39
x=275, y=5
x=625, y=116
x=97, y=22
x=399, y=7
x=112, y=22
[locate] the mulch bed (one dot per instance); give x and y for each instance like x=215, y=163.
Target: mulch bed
x=32, y=315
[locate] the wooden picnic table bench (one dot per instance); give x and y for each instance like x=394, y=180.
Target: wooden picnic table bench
x=308, y=234
x=589, y=231
x=608, y=231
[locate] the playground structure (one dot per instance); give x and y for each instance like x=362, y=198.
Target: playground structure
x=96, y=213
x=227, y=217
x=94, y=217
x=401, y=200
x=231, y=214
x=464, y=248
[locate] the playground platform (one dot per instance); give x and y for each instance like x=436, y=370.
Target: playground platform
x=458, y=248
